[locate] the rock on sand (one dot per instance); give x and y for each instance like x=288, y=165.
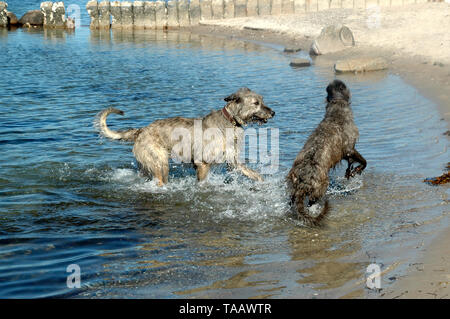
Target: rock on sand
x=332, y=38
x=360, y=65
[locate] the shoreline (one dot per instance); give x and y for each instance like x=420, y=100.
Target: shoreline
x=425, y=67
x=429, y=276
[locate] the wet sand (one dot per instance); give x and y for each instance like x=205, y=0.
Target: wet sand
x=429, y=277
x=415, y=42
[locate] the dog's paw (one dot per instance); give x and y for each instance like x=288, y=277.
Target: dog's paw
x=358, y=170
x=348, y=173
x=351, y=173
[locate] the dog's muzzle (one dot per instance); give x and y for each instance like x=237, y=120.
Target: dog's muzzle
x=264, y=117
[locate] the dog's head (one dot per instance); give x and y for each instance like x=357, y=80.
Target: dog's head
x=337, y=90
x=246, y=106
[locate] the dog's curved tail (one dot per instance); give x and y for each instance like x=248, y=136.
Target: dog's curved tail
x=297, y=200
x=127, y=135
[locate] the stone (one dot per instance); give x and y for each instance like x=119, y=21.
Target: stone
x=383, y=3
x=194, y=12
x=348, y=4
x=264, y=7
x=336, y=4
x=372, y=4
x=3, y=14
x=33, y=17
x=46, y=9
x=183, y=13
x=104, y=15
x=92, y=9
x=287, y=6
x=160, y=15
x=58, y=19
x=126, y=9
x=172, y=14
x=228, y=12
x=300, y=63
x=359, y=65
x=291, y=49
x=116, y=14
x=252, y=8
x=332, y=38
x=206, y=9
x=138, y=15
x=240, y=8
x=217, y=9
x=149, y=13
x=12, y=18
x=311, y=5
x=360, y=4
x=396, y=3
x=276, y=7
x=299, y=6
x=323, y=5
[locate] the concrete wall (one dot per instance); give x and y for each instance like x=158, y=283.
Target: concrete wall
x=54, y=14
x=163, y=14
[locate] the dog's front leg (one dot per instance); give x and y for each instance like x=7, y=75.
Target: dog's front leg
x=248, y=172
x=202, y=171
x=354, y=156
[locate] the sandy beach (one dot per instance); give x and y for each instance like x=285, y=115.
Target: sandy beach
x=415, y=41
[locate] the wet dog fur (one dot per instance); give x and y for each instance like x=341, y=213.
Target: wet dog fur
x=153, y=144
x=331, y=142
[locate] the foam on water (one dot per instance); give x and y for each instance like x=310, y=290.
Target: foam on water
x=222, y=195
x=228, y=195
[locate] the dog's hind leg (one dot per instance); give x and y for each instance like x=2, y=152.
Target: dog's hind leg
x=154, y=159
x=248, y=172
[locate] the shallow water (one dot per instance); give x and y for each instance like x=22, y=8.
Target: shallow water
x=68, y=196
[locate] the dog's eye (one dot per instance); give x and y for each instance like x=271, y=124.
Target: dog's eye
x=256, y=103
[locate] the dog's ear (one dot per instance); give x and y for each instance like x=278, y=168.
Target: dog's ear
x=233, y=97
x=329, y=92
x=236, y=97
x=244, y=90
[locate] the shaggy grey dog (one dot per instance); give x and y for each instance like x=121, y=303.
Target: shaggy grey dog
x=155, y=143
x=333, y=140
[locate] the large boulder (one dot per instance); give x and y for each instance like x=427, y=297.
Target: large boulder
x=33, y=17
x=359, y=65
x=332, y=38
x=12, y=18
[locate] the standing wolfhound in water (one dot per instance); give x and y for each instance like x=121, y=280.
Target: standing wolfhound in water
x=332, y=141
x=153, y=144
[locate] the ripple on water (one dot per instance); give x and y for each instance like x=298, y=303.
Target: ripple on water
x=68, y=196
